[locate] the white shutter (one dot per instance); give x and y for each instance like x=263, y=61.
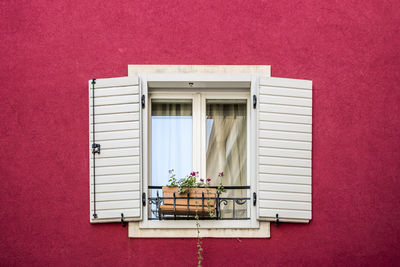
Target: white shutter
x=115, y=172
x=284, y=128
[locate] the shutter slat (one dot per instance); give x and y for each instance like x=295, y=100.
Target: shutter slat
x=285, y=135
x=113, y=144
x=290, y=205
x=117, y=187
x=106, y=92
x=266, y=168
x=121, y=152
x=284, y=100
x=282, y=187
x=129, y=168
x=294, y=92
x=116, y=100
x=117, y=196
x=285, y=144
x=117, y=126
x=282, y=126
x=268, y=116
x=115, y=174
x=101, y=162
x=117, y=135
x=114, y=215
x=121, y=117
x=285, y=161
x=116, y=82
x=286, y=215
x=282, y=109
x=285, y=196
x=121, y=178
x=284, y=153
x=284, y=179
x=286, y=83
x=112, y=109
x=111, y=205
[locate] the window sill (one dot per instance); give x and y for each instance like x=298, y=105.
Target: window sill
x=136, y=231
x=204, y=224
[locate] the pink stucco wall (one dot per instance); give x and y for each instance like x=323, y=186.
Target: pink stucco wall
x=49, y=50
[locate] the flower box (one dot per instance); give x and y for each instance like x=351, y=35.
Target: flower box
x=188, y=206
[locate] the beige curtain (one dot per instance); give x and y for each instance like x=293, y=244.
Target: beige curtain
x=226, y=150
x=171, y=139
x=171, y=108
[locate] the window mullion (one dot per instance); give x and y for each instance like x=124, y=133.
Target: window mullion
x=203, y=149
x=196, y=132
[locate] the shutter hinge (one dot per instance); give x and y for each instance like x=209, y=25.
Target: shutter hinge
x=144, y=198
x=122, y=220
x=94, y=215
x=254, y=198
x=254, y=101
x=143, y=101
x=277, y=220
x=95, y=148
x=93, y=81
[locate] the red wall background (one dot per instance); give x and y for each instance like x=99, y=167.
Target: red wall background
x=49, y=50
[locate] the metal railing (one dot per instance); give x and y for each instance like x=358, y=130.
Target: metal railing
x=226, y=207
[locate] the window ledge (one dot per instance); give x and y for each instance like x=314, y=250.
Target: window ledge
x=263, y=70
x=134, y=231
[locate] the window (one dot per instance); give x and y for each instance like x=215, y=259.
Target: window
x=171, y=138
x=255, y=128
x=205, y=132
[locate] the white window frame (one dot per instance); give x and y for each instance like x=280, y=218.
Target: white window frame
x=199, y=99
x=176, y=95
x=218, y=84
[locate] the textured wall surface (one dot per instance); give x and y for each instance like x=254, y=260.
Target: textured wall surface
x=50, y=49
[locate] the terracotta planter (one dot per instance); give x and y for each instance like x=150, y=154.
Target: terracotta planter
x=181, y=205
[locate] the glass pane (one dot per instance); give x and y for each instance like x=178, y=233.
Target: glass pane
x=226, y=142
x=171, y=139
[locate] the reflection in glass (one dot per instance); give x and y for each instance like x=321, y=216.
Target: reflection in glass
x=226, y=133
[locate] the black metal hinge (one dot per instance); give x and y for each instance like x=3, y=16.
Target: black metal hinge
x=254, y=198
x=95, y=148
x=143, y=101
x=94, y=215
x=122, y=220
x=277, y=220
x=93, y=81
x=144, y=198
x=254, y=101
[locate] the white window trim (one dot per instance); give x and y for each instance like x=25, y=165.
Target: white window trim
x=212, y=228
x=134, y=231
x=263, y=71
x=223, y=82
x=199, y=100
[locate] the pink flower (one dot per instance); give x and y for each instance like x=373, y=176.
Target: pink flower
x=192, y=174
x=208, y=179
x=221, y=174
x=201, y=180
